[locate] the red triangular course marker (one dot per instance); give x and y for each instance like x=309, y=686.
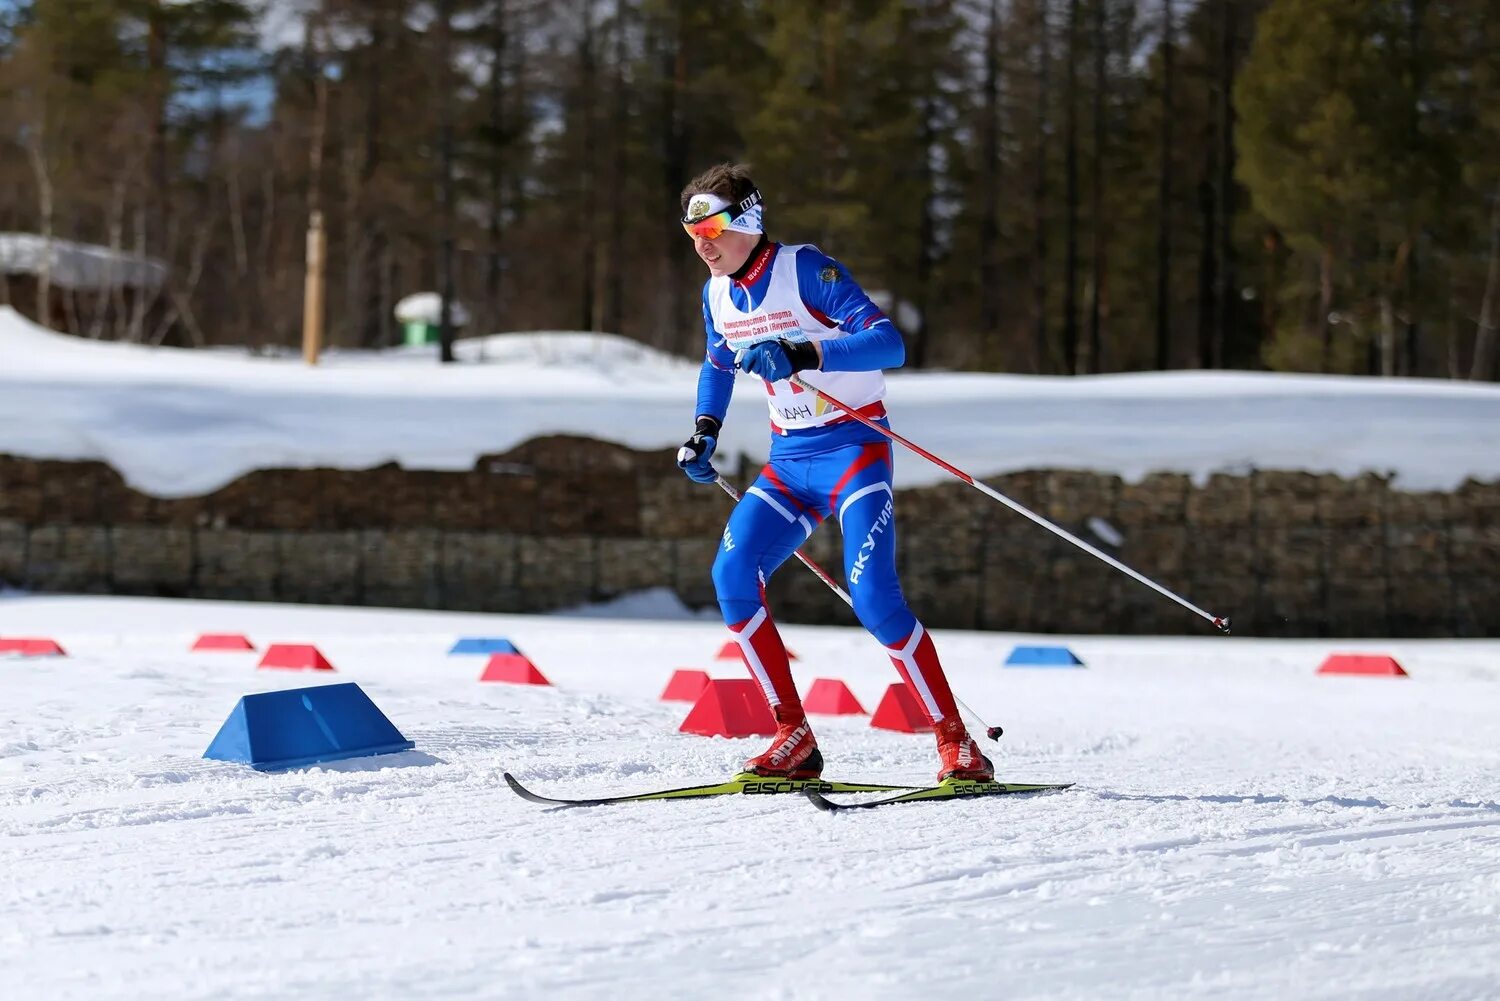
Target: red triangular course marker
x=899, y=710
x=1368, y=664
x=294, y=657
x=31, y=646
x=223, y=641
x=731, y=651
x=831, y=697
x=512, y=669
x=730, y=708
x=685, y=686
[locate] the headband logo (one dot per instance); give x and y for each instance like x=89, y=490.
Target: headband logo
x=697, y=209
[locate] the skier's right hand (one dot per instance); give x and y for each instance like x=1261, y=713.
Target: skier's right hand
x=693, y=457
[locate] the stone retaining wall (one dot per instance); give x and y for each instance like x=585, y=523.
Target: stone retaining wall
x=563, y=521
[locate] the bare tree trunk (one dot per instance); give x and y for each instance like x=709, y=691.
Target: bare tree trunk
x=70, y=310
x=1450, y=310
x=139, y=303
x=831, y=42
x=1164, y=200
x=445, y=145
x=1483, y=366
x=371, y=318
x=389, y=270
x=1387, y=337
x=181, y=306
x=1414, y=11
x=496, y=179
x=349, y=325
x=584, y=104
x=1225, y=332
x=520, y=100
x=921, y=337
x=160, y=86
x=1039, y=190
x=614, y=289
x=240, y=244
x=270, y=271
x=1325, y=299
x=1092, y=361
x=1392, y=352
x=36, y=154
x=1207, y=278
x=1070, y=251
x=989, y=182
x=675, y=141
x=1270, y=307
x=119, y=311
x=115, y=224
x=1409, y=361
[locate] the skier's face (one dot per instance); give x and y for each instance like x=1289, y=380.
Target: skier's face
x=726, y=253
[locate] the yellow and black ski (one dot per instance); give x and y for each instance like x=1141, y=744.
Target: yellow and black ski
x=743, y=784
x=945, y=790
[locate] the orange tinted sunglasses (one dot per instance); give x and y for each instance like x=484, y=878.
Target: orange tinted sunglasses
x=711, y=227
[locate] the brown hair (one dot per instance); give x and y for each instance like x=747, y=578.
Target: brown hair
x=730, y=181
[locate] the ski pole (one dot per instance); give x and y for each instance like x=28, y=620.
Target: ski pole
x=993, y=732
x=1220, y=622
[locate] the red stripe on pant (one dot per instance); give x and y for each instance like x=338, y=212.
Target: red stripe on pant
x=760, y=644
x=872, y=453
x=917, y=660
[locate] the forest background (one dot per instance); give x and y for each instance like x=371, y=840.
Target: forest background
x=1051, y=186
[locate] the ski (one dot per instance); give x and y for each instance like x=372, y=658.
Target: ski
x=743, y=784
x=946, y=790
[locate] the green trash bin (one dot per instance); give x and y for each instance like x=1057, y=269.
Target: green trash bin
x=421, y=333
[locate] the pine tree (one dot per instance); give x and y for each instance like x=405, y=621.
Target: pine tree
x=1333, y=157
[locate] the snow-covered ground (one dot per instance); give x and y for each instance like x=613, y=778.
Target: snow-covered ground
x=180, y=423
x=1241, y=828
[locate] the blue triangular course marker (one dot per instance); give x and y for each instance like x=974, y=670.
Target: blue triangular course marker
x=484, y=644
x=302, y=726
x=1042, y=656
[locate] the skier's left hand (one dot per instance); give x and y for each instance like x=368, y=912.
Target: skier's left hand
x=776, y=360
x=695, y=454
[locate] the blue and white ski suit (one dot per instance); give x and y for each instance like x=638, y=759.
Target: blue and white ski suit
x=823, y=462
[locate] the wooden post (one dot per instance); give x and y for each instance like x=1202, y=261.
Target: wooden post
x=314, y=284
x=312, y=295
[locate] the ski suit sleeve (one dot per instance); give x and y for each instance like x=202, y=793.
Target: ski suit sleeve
x=828, y=290
x=716, y=378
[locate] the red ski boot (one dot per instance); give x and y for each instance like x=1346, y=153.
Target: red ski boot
x=793, y=753
x=960, y=754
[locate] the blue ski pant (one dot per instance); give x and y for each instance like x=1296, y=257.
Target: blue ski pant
x=789, y=499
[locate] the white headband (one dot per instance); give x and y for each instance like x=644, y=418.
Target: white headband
x=707, y=203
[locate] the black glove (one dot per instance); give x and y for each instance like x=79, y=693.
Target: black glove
x=694, y=454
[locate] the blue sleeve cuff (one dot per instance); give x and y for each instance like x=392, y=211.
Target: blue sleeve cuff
x=878, y=346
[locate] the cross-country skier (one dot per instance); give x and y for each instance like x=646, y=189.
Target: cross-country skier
x=774, y=310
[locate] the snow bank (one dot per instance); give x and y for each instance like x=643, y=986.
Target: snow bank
x=180, y=423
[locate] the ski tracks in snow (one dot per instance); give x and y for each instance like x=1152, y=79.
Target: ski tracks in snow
x=1236, y=837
